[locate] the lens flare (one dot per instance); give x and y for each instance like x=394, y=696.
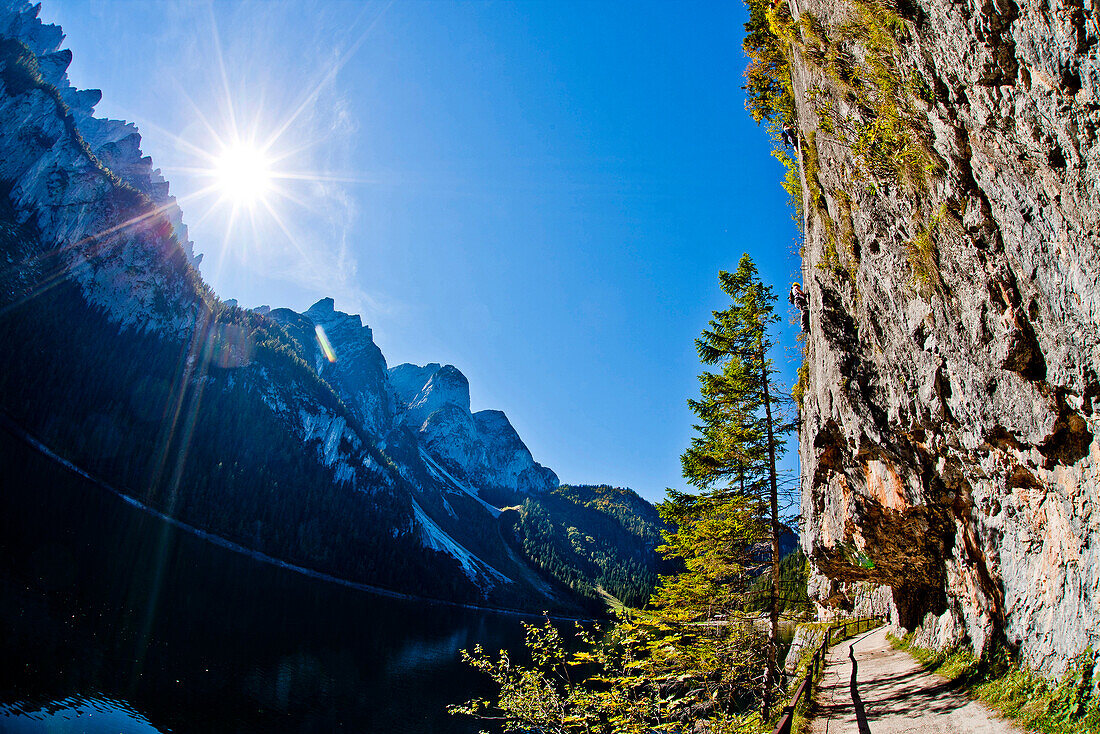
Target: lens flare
x=326, y=347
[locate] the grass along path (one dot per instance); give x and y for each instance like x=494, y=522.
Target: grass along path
x=1070, y=705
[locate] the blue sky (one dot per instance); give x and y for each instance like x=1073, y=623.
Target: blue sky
x=540, y=193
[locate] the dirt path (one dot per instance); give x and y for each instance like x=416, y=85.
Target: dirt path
x=885, y=691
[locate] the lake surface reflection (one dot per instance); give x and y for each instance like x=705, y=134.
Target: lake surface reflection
x=112, y=620
x=74, y=714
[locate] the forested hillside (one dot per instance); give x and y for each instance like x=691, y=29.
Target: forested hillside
x=592, y=537
x=203, y=448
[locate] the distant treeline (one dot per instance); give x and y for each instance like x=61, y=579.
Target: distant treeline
x=593, y=536
x=794, y=573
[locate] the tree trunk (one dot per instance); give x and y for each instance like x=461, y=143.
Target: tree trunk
x=773, y=632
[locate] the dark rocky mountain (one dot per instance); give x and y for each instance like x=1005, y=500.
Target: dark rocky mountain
x=121, y=360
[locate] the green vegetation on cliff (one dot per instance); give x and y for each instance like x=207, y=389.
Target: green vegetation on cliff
x=768, y=76
x=861, y=97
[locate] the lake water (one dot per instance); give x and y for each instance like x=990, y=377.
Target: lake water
x=114, y=621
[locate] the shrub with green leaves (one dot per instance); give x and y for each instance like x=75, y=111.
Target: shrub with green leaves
x=646, y=674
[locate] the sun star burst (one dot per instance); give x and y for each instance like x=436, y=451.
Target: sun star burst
x=243, y=174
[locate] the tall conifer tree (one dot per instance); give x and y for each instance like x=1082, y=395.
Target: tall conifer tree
x=740, y=431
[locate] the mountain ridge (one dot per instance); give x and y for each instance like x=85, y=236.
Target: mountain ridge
x=236, y=421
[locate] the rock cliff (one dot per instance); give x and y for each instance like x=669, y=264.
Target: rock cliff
x=360, y=372
x=949, y=170
x=114, y=144
x=482, y=449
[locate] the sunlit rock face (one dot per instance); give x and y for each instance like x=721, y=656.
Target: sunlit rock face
x=445, y=386
x=483, y=449
x=359, y=367
x=129, y=261
x=409, y=379
x=949, y=429
x=114, y=143
x=358, y=371
x=61, y=167
x=508, y=456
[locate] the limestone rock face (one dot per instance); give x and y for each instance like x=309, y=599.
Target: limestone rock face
x=359, y=372
x=482, y=449
x=114, y=143
x=949, y=429
x=445, y=386
x=409, y=379
x=509, y=456
x=452, y=438
x=359, y=369
x=92, y=228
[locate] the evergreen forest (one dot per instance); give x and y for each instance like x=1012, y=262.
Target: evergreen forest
x=165, y=423
x=593, y=539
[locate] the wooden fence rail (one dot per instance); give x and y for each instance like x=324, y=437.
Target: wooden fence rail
x=837, y=632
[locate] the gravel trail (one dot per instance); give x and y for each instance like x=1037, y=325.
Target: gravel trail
x=868, y=687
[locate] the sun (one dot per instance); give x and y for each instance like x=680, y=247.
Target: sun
x=243, y=173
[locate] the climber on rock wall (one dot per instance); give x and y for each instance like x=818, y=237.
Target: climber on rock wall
x=798, y=299
x=790, y=138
